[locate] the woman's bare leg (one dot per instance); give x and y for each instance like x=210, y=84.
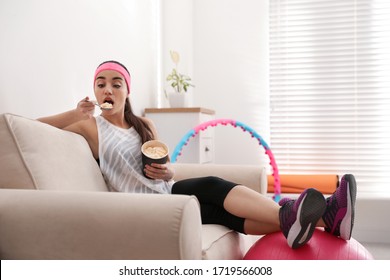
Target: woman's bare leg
x=249, y=204
x=257, y=228
x=246, y=203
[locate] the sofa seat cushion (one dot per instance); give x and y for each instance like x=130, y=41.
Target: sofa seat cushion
x=34, y=155
x=219, y=243
x=222, y=243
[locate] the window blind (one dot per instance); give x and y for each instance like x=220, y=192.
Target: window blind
x=330, y=89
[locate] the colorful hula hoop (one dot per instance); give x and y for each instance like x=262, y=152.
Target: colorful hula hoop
x=193, y=132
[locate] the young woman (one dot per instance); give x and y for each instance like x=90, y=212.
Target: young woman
x=115, y=138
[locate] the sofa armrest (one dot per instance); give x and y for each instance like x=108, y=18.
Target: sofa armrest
x=98, y=225
x=254, y=177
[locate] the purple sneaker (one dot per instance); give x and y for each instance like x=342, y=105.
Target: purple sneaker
x=298, y=218
x=340, y=208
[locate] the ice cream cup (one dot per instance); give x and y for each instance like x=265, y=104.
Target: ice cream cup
x=154, y=151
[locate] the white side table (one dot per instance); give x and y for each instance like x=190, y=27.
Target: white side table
x=173, y=123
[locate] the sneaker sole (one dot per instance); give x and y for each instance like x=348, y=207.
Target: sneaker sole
x=347, y=222
x=310, y=210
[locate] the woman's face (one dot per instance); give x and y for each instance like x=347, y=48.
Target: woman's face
x=110, y=86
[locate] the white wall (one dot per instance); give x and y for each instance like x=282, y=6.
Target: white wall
x=371, y=217
x=50, y=48
x=177, y=35
x=231, y=73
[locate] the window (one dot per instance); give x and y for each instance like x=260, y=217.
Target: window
x=330, y=89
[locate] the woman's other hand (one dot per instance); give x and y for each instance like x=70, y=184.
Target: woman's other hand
x=159, y=171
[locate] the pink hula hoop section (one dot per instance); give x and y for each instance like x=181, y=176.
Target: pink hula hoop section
x=193, y=132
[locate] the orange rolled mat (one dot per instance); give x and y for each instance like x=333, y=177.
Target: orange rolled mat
x=326, y=184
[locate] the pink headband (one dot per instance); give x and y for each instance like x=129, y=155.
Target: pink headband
x=115, y=67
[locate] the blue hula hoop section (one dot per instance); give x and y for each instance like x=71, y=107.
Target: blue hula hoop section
x=193, y=132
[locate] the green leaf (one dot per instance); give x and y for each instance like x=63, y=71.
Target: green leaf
x=179, y=82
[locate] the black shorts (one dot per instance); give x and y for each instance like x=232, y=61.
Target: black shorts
x=211, y=192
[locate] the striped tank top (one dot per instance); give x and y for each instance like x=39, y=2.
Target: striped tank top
x=121, y=160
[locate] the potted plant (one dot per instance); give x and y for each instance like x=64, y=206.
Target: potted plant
x=179, y=84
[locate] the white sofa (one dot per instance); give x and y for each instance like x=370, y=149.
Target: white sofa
x=54, y=204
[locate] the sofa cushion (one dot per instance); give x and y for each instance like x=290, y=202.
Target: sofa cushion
x=220, y=243
x=34, y=155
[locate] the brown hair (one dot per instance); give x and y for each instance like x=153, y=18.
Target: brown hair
x=139, y=124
